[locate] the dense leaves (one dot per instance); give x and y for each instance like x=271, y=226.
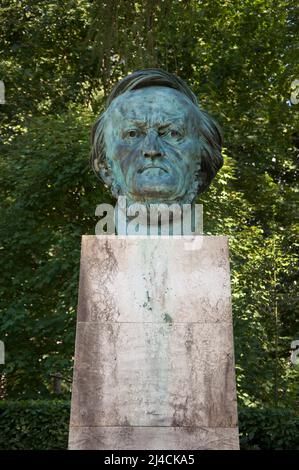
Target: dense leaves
x=240, y=58
x=32, y=425
x=51, y=205
x=268, y=429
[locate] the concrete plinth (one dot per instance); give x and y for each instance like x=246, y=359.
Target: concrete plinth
x=154, y=362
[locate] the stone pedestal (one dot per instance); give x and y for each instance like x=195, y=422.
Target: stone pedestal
x=154, y=362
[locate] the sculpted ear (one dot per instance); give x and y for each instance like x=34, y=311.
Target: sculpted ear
x=98, y=158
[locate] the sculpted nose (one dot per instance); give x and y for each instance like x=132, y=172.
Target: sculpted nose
x=151, y=147
x=152, y=153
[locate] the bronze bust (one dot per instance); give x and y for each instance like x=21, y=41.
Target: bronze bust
x=153, y=144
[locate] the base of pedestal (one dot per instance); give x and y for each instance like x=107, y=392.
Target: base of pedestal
x=153, y=438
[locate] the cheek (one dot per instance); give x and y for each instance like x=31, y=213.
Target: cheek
x=120, y=151
x=191, y=154
x=185, y=155
x=125, y=155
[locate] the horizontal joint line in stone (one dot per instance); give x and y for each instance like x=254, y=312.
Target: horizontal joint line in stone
x=144, y=426
x=154, y=322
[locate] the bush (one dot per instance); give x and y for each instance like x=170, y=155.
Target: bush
x=268, y=429
x=43, y=425
x=34, y=425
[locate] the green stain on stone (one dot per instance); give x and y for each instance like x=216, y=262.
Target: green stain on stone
x=167, y=318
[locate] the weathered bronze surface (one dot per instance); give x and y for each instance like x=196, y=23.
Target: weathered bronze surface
x=153, y=143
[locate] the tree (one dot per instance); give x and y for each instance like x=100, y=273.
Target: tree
x=240, y=59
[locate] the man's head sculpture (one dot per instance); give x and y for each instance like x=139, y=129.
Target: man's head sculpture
x=153, y=143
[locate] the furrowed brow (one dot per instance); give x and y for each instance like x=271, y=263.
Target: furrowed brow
x=160, y=123
x=137, y=122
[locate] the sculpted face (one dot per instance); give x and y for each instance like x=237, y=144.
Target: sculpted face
x=152, y=146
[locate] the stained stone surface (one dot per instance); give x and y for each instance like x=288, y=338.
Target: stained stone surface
x=149, y=438
x=154, y=362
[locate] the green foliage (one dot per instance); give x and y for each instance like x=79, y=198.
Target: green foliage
x=49, y=198
x=240, y=57
x=33, y=425
x=38, y=424
x=44, y=61
x=268, y=429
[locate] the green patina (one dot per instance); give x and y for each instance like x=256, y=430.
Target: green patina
x=167, y=318
x=153, y=143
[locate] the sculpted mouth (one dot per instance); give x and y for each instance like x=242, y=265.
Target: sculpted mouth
x=150, y=167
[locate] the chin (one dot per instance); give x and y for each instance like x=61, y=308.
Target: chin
x=154, y=188
x=154, y=197
x=155, y=191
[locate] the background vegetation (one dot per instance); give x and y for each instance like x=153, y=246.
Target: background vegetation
x=44, y=425
x=58, y=61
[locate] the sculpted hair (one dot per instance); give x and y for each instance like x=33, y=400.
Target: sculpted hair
x=208, y=130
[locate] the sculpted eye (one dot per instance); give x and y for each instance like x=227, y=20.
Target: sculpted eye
x=175, y=134
x=169, y=133
x=131, y=133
